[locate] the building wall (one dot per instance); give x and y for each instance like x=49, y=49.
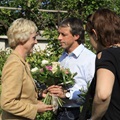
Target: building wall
x=42, y=43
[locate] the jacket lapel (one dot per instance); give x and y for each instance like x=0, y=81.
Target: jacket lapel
x=27, y=68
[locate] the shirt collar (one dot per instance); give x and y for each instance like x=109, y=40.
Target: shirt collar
x=77, y=51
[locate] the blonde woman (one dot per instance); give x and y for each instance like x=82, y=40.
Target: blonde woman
x=19, y=93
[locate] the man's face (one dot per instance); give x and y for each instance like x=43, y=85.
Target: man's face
x=67, y=40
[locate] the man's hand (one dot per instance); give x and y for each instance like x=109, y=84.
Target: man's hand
x=44, y=93
x=57, y=90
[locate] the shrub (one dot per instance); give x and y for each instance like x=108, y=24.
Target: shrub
x=3, y=56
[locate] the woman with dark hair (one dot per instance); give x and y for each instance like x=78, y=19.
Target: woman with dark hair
x=103, y=27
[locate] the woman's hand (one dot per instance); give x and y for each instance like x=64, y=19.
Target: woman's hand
x=43, y=107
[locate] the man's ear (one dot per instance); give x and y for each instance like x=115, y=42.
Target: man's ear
x=76, y=37
x=94, y=34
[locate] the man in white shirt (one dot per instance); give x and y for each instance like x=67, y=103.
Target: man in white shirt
x=79, y=60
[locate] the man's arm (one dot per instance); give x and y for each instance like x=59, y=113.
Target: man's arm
x=104, y=86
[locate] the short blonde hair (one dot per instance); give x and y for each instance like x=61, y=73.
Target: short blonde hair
x=19, y=31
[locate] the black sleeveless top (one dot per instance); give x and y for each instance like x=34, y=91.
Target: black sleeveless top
x=110, y=59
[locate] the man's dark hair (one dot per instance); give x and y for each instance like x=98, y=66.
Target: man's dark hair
x=76, y=26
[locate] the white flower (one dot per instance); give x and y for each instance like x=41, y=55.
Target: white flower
x=34, y=69
x=44, y=62
x=54, y=66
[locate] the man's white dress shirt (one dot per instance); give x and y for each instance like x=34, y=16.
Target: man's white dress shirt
x=82, y=61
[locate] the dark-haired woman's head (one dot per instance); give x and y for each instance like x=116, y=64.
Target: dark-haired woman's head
x=103, y=26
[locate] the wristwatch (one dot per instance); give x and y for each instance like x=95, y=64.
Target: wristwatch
x=67, y=94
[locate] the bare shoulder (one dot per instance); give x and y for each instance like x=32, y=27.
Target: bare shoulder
x=99, y=55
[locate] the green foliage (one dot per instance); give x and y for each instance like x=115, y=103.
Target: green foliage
x=53, y=47
x=0, y=103
x=3, y=56
x=83, y=95
x=46, y=116
x=30, y=10
x=87, y=43
x=36, y=58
